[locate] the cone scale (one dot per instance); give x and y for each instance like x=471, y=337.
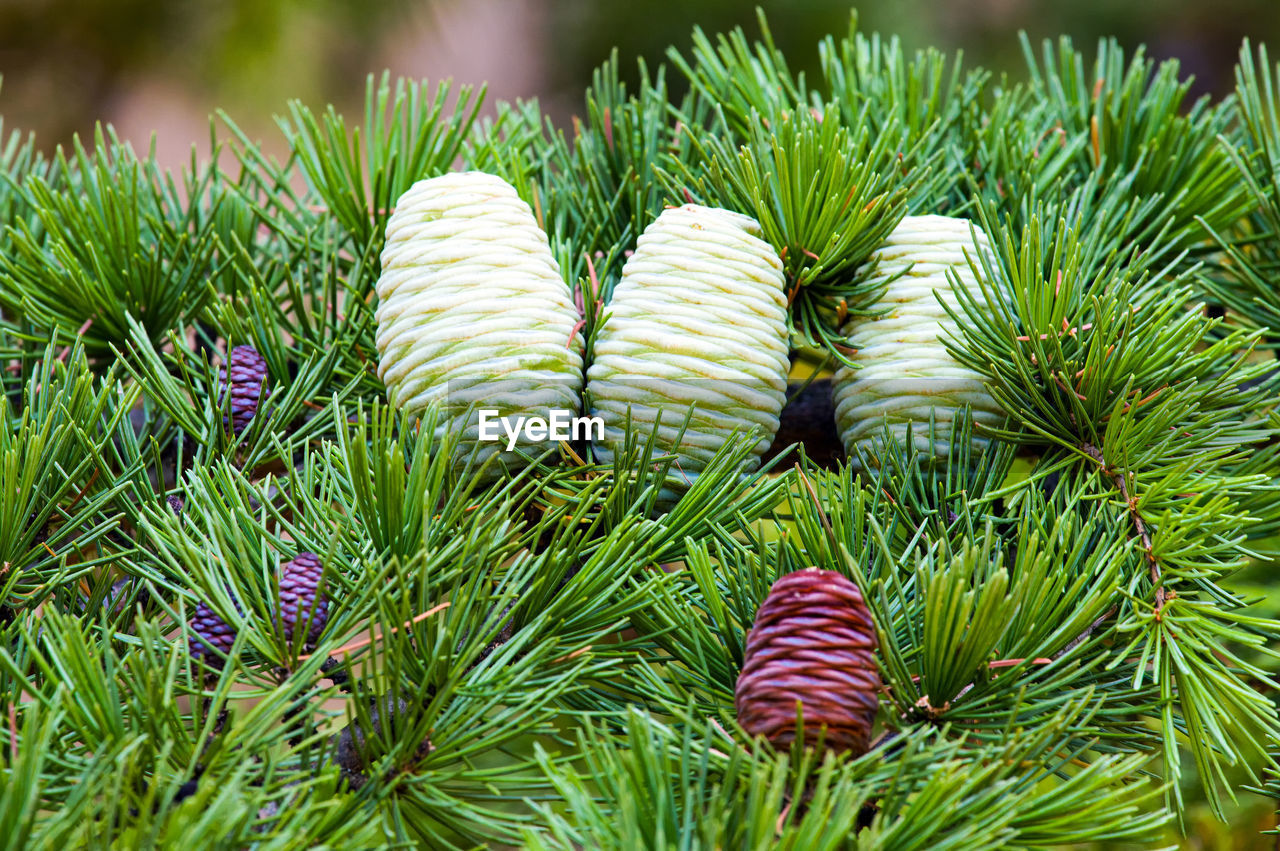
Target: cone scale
x=302, y=602
x=210, y=633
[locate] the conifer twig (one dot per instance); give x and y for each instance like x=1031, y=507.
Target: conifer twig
x=1139, y=524
x=1088, y=631
x=363, y=642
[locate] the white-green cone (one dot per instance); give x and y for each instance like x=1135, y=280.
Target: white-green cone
x=471, y=304
x=906, y=374
x=699, y=317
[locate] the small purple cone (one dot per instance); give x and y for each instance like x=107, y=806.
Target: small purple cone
x=245, y=376
x=301, y=600
x=209, y=632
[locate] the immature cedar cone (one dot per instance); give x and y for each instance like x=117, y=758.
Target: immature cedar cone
x=472, y=308
x=300, y=597
x=245, y=377
x=905, y=373
x=697, y=321
x=209, y=632
x=813, y=643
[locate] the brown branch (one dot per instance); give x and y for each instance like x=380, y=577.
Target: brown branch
x=370, y=639
x=537, y=209
x=1068, y=390
x=84, y=329
x=573, y=332
x=93, y=478
x=574, y=655
x=1067, y=330
x=1088, y=631
x=1131, y=502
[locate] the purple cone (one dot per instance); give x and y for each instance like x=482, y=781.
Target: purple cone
x=245, y=376
x=209, y=632
x=301, y=600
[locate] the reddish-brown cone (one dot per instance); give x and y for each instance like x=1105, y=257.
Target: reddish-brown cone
x=244, y=376
x=301, y=600
x=813, y=642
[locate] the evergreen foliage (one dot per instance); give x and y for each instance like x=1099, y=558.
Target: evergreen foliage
x=543, y=659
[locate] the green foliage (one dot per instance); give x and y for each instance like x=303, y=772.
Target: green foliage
x=745, y=80
x=53, y=521
x=600, y=193
x=926, y=102
x=1245, y=281
x=115, y=242
x=825, y=199
x=705, y=790
x=1159, y=422
x=1137, y=121
x=20, y=158
x=662, y=791
x=408, y=134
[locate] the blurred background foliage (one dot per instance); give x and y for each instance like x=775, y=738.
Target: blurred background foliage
x=163, y=67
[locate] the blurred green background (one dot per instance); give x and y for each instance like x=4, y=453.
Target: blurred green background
x=163, y=67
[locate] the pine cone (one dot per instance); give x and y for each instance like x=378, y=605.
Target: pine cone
x=209, y=632
x=813, y=642
x=472, y=308
x=905, y=373
x=699, y=317
x=245, y=377
x=300, y=597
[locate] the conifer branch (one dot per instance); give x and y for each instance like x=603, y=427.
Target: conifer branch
x=1119, y=478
